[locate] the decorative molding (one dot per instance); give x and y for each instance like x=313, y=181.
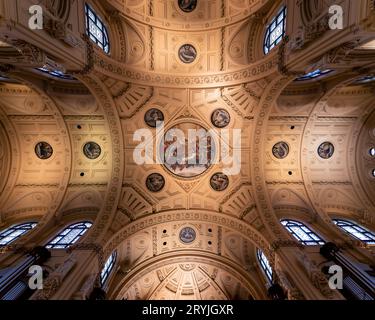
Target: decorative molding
x=286, y=243
x=84, y=117
x=255, y=71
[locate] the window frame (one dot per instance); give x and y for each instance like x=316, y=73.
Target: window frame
x=108, y=268
x=267, y=45
x=265, y=265
x=357, y=227
x=14, y=228
x=65, y=245
x=313, y=242
x=98, y=21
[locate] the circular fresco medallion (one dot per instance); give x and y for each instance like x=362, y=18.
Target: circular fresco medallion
x=43, y=150
x=220, y=118
x=187, y=235
x=280, y=150
x=155, y=182
x=219, y=181
x=188, y=150
x=152, y=116
x=187, y=5
x=326, y=150
x=92, y=150
x=187, y=53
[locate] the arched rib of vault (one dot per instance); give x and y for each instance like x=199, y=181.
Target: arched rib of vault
x=275, y=231
x=216, y=218
x=9, y=159
x=5, y=157
x=107, y=213
x=191, y=257
x=360, y=173
x=253, y=72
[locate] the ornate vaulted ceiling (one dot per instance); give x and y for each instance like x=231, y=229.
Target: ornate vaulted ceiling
x=187, y=65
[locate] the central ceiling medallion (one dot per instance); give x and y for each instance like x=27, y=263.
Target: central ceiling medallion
x=187, y=53
x=187, y=5
x=189, y=150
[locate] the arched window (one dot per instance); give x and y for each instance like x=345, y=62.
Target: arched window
x=69, y=236
x=275, y=31
x=13, y=233
x=356, y=231
x=314, y=74
x=110, y=263
x=96, y=29
x=302, y=233
x=264, y=263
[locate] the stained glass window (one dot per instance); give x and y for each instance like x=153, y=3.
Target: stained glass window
x=275, y=31
x=314, y=74
x=57, y=74
x=96, y=29
x=108, y=268
x=356, y=231
x=302, y=233
x=264, y=264
x=13, y=233
x=69, y=236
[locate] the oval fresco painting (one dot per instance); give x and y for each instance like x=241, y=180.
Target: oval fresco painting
x=326, y=150
x=187, y=5
x=280, y=150
x=152, y=116
x=184, y=159
x=219, y=181
x=187, y=235
x=43, y=150
x=187, y=53
x=155, y=182
x=220, y=118
x=92, y=150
